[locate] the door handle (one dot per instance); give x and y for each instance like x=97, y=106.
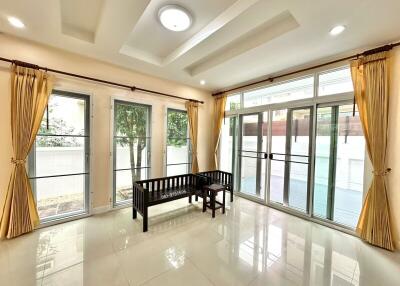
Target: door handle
x=271, y=156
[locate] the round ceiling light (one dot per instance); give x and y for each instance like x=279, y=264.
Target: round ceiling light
x=337, y=30
x=175, y=18
x=17, y=23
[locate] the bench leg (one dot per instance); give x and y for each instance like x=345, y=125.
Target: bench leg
x=134, y=213
x=197, y=198
x=231, y=190
x=213, y=204
x=190, y=199
x=223, y=201
x=145, y=220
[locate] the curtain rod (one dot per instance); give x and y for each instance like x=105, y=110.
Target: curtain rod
x=106, y=82
x=271, y=79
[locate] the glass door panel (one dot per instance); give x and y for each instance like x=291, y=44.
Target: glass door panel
x=278, y=149
x=251, y=155
x=349, y=169
x=339, y=165
x=297, y=158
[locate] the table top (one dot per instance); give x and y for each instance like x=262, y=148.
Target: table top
x=215, y=187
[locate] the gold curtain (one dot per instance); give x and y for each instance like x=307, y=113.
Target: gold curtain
x=30, y=90
x=219, y=112
x=193, y=115
x=370, y=76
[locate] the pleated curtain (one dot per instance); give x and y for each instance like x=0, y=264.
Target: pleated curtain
x=30, y=90
x=193, y=116
x=370, y=76
x=219, y=113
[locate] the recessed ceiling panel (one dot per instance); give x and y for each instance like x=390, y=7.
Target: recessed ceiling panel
x=79, y=19
x=267, y=31
x=149, y=37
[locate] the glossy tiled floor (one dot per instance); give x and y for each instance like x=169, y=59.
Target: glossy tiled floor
x=249, y=245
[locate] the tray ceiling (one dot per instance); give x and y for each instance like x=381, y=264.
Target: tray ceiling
x=230, y=41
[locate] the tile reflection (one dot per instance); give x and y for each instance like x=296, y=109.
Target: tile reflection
x=249, y=245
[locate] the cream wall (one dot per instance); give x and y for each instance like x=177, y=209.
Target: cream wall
x=101, y=163
x=394, y=146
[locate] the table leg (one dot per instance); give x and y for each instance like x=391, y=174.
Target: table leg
x=204, y=200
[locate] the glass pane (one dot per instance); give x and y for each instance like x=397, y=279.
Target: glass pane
x=131, y=153
x=66, y=115
x=249, y=159
x=60, y=196
x=287, y=91
x=264, y=149
x=278, y=145
x=349, y=167
x=322, y=161
x=226, y=145
x=59, y=155
x=233, y=102
x=177, y=126
x=123, y=183
x=299, y=148
x=178, y=151
x=174, y=170
x=130, y=119
x=337, y=81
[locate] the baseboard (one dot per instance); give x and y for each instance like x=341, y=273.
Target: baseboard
x=101, y=210
x=397, y=245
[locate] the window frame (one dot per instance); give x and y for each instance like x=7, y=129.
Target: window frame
x=114, y=100
x=31, y=160
x=189, y=163
x=315, y=101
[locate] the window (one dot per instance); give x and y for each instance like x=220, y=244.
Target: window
x=178, y=143
x=59, y=159
x=339, y=165
x=334, y=82
x=233, y=102
x=131, y=146
x=291, y=90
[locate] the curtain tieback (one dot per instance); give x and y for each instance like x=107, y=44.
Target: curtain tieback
x=382, y=173
x=18, y=161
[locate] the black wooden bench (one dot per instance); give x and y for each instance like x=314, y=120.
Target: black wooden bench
x=147, y=193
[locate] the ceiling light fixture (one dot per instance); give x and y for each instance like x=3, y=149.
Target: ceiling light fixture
x=337, y=30
x=175, y=18
x=17, y=23
x=202, y=82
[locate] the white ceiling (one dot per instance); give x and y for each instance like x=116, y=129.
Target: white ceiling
x=230, y=41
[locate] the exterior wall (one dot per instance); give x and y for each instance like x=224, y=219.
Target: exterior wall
x=101, y=112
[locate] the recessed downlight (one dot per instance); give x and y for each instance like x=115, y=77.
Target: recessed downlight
x=175, y=18
x=202, y=82
x=15, y=22
x=337, y=30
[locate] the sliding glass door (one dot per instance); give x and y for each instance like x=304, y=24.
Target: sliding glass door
x=252, y=154
x=339, y=164
x=289, y=157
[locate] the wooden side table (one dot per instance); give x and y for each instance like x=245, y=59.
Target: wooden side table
x=212, y=192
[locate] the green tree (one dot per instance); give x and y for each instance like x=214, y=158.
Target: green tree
x=55, y=126
x=130, y=124
x=177, y=128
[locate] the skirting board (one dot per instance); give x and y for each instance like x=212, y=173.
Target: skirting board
x=100, y=210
